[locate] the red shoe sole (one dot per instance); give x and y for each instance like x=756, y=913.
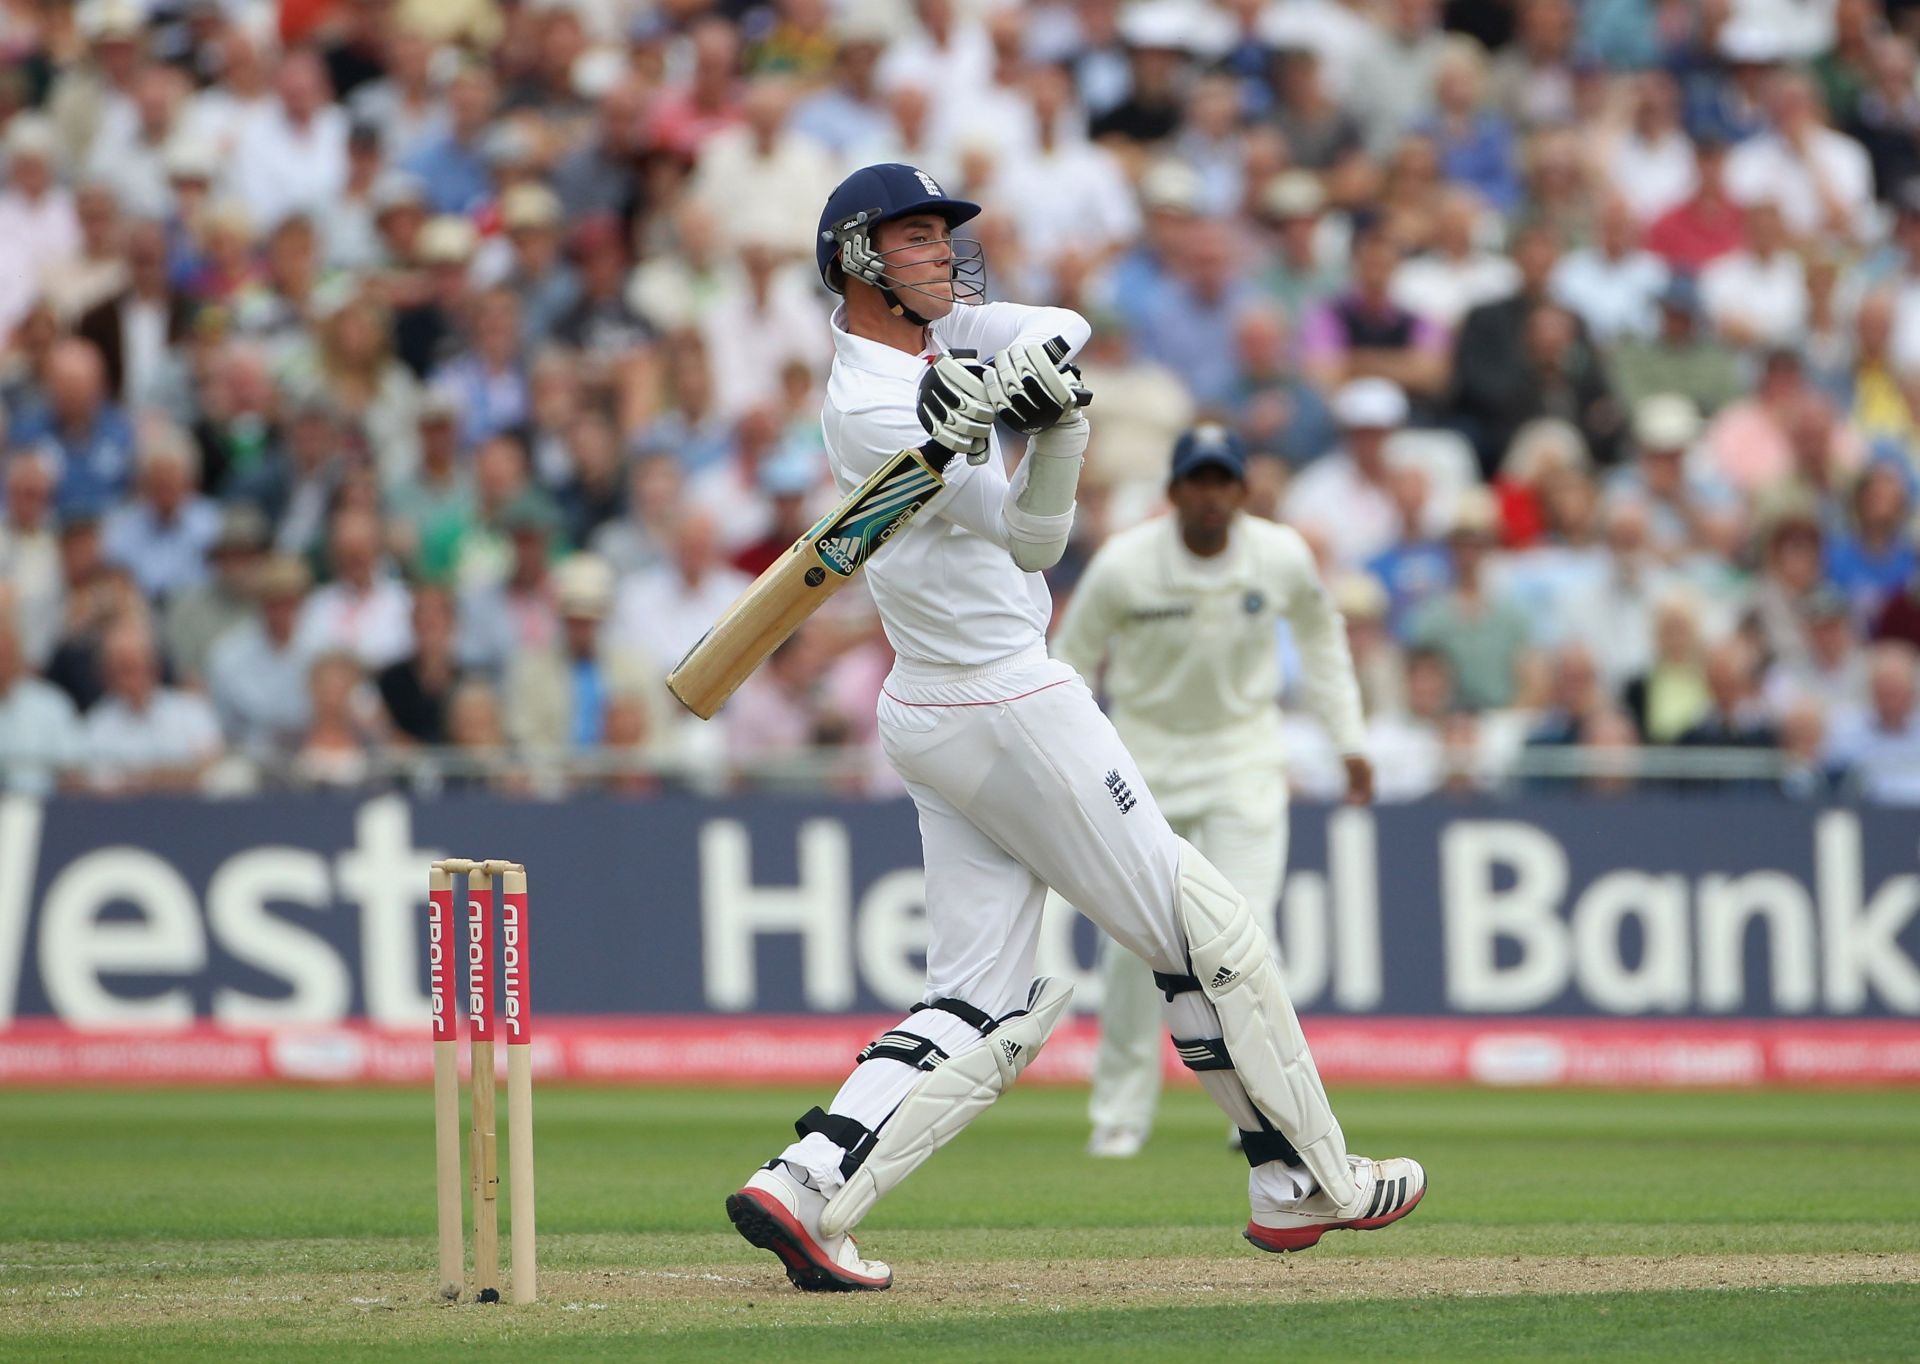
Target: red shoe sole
x=1283, y=1239
x=766, y=1225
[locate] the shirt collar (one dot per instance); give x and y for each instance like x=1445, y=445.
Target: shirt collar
x=857, y=352
x=1176, y=559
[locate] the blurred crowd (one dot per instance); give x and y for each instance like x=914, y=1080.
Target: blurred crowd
x=390, y=390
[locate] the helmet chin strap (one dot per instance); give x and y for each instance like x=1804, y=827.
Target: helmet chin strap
x=898, y=308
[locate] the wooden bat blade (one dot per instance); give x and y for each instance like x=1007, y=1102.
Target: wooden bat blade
x=793, y=587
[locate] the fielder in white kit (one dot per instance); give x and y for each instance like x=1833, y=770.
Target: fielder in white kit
x=1178, y=614
x=1020, y=780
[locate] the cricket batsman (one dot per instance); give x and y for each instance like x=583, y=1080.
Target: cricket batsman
x=1020, y=781
x=1181, y=611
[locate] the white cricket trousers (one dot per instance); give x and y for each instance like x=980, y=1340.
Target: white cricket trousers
x=1243, y=832
x=1022, y=783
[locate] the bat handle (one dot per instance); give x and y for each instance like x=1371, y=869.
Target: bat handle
x=1056, y=352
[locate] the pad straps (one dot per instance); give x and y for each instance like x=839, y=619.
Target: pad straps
x=1203, y=1053
x=849, y=1135
x=1261, y=1146
x=909, y=1049
x=979, y=1020
x=1268, y=1144
x=1171, y=984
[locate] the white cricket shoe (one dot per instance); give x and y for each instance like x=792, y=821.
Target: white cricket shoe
x=776, y=1212
x=1384, y=1191
x=1116, y=1143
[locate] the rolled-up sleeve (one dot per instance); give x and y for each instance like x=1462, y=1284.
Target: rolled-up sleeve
x=989, y=328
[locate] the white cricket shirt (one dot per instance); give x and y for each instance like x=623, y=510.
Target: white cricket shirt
x=1192, y=669
x=947, y=590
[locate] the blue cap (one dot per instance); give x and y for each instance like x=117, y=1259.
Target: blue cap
x=1209, y=445
x=884, y=192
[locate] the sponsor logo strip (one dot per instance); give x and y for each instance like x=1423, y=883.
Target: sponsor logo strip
x=814, y=1050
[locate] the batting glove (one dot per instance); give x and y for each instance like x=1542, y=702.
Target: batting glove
x=1029, y=388
x=954, y=407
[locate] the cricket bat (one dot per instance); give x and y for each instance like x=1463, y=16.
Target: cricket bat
x=793, y=587
x=820, y=563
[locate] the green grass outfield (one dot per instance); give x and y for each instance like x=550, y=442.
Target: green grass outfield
x=297, y=1224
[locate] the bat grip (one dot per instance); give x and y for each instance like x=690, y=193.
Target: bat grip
x=1056, y=352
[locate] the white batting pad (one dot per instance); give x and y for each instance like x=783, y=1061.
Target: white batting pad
x=947, y=1098
x=1238, y=975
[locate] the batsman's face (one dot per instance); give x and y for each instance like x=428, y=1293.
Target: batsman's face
x=919, y=259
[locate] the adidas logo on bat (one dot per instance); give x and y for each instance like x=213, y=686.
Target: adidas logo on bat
x=840, y=551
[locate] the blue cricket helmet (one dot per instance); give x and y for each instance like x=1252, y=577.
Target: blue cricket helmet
x=878, y=194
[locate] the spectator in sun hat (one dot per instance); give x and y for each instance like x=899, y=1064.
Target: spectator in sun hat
x=199, y=615
x=538, y=271
x=427, y=323
x=397, y=204
x=37, y=218
x=256, y=671
x=1344, y=496
x=1665, y=478
x=558, y=696
x=1169, y=208
x=1484, y=638
x=1300, y=270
